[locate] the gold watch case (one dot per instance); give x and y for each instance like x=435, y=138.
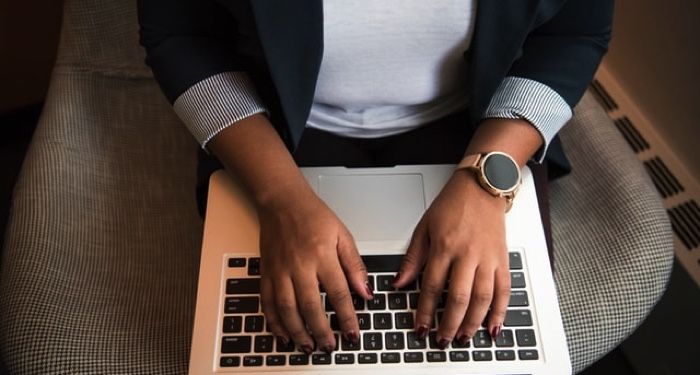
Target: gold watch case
x=476, y=162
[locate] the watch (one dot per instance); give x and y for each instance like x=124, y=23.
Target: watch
x=496, y=172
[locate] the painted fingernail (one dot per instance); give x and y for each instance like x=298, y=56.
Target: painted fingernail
x=307, y=349
x=442, y=344
x=368, y=289
x=421, y=332
x=396, y=278
x=495, y=330
x=463, y=339
x=353, y=337
x=328, y=348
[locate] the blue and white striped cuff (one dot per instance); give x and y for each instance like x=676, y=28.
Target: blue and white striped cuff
x=535, y=102
x=215, y=103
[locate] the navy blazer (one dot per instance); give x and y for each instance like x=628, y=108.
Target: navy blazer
x=280, y=44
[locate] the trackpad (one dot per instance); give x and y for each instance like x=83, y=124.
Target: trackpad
x=375, y=207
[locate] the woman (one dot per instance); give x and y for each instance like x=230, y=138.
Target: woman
x=376, y=83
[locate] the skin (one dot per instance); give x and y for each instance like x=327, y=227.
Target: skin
x=303, y=243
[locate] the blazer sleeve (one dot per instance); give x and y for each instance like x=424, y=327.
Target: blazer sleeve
x=558, y=61
x=190, y=47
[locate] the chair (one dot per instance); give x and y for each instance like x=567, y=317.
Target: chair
x=100, y=263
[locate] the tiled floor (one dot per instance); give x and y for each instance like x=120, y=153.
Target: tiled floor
x=665, y=344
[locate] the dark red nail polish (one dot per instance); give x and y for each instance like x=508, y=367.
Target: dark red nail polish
x=421, y=332
x=307, y=349
x=368, y=289
x=396, y=278
x=495, y=331
x=442, y=344
x=328, y=348
x=353, y=337
x=463, y=340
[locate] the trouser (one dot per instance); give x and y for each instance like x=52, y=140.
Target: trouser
x=440, y=142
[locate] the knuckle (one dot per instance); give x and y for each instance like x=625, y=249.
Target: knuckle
x=310, y=306
x=482, y=297
x=338, y=297
x=286, y=306
x=458, y=299
x=431, y=289
x=447, y=241
x=346, y=320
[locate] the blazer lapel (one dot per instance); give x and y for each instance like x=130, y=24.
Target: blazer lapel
x=291, y=34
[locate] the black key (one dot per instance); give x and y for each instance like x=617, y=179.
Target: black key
x=282, y=348
x=515, y=261
x=404, y=320
x=364, y=321
x=384, y=283
x=230, y=361
x=382, y=320
x=337, y=341
x=525, y=337
x=413, y=300
x=459, y=356
x=482, y=339
x=372, y=341
x=335, y=325
x=382, y=263
x=518, y=318
x=394, y=340
x=377, y=303
x=432, y=340
x=505, y=339
x=397, y=301
x=344, y=358
x=253, y=266
x=517, y=280
x=349, y=345
x=253, y=360
x=367, y=358
x=438, y=319
x=241, y=305
x=328, y=305
x=235, y=344
x=243, y=286
x=321, y=359
x=505, y=355
x=414, y=342
x=254, y=323
x=518, y=298
x=233, y=324
x=413, y=285
x=263, y=344
x=527, y=355
x=391, y=357
x=413, y=357
x=482, y=355
x=358, y=302
x=275, y=360
x=236, y=262
x=436, y=356
x=298, y=359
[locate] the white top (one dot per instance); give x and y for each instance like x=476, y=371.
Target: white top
x=391, y=66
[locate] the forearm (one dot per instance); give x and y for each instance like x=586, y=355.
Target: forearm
x=518, y=138
x=252, y=150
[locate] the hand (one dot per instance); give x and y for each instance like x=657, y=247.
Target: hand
x=462, y=235
x=302, y=243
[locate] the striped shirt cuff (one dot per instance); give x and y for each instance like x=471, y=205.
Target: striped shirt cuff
x=215, y=103
x=535, y=102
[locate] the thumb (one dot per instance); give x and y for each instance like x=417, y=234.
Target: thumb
x=415, y=256
x=352, y=265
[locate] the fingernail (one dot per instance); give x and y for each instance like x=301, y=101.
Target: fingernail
x=421, y=332
x=442, y=344
x=328, y=348
x=307, y=349
x=495, y=330
x=396, y=278
x=368, y=289
x=463, y=339
x=353, y=337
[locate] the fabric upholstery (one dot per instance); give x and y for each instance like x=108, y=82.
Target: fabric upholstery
x=101, y=255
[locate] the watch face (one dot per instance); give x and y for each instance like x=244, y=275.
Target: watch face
x=501, y=171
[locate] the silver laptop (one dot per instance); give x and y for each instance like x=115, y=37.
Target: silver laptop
x=380, y=206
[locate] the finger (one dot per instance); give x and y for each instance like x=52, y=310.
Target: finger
x=353, y=265
x=310, y=308
x=431, y=289
x=337, y=291
x=288, y=312
x=414, y=258
x=482, y=294
x=501, y=298
x=458, y=297
x=267, y=301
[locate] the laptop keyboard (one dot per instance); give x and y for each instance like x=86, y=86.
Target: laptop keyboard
x=386, y=324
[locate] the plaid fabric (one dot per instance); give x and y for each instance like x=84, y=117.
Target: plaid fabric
x=101, y=256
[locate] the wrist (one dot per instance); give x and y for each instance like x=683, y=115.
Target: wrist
x=470, y=183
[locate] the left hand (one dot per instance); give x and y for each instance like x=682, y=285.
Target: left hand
x=461, y=235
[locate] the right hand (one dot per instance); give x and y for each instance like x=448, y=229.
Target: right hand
x=302, y=243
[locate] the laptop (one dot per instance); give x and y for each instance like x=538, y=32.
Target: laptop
x=380, y=207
